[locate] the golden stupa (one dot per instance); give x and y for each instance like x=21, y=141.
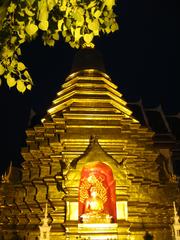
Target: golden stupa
x=94, y=166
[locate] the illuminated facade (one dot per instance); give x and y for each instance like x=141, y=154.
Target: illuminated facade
x=94, y=165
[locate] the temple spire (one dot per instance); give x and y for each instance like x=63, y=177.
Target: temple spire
x=176, y=224
x=45, y=228
x=6, y=176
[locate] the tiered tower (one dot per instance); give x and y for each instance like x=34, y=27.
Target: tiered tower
x=89, y=138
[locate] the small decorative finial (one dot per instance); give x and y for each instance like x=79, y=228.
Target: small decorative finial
x=176, y=224
x=45, y=228
x=6, y=177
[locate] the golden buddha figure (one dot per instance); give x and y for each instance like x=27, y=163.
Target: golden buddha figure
x=94, y=209
x=94, y=204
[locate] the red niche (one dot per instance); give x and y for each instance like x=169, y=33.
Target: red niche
x=97, y=198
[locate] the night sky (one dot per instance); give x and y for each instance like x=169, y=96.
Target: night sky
x=142, y=58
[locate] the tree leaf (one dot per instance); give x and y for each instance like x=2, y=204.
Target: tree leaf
x=78, y=14
x=18, y=51
x=12, y=65
x=43, y=10
x=29, y=86
x=21, y=86
x=107, y=29
x=43, y=25
x=51, y=4
x=55, y=36
x=29, y=12
x=88, y=37
x=27, y=75
x=30, y=2
x=21, y=34
x=68, y=38
x=60, y=22
x=11, y=82
x=7, y=52
x=73, y=2
x=109, y=4
x=2, y=69
x=94, y=26
x=77, y=34
x=50, y=42
x=12, y=7
x=80, y=21
x=63, y=7
x=13, y=39
x=31, y=29
x=114, y=27
x=21, y=66
x=91, y=4
x=3, y=11
x=68, y=22
x=97, y=14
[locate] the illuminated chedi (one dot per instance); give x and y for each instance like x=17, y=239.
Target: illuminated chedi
x=93, y=163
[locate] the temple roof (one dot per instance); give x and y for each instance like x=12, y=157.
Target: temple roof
x=94, y=151
x=166, y=127
x=156, y=119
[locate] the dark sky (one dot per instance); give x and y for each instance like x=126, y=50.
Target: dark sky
x=142, y=58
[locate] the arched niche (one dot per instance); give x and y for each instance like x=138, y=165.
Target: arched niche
x=97, y=197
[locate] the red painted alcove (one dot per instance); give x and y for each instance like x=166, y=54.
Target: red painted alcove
x=104, y=175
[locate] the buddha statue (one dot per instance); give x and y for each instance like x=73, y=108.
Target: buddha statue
x=94, y=203
x=94, y=209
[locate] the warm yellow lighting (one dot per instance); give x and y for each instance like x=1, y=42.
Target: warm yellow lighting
x=122, y=210
x=98, y=225
x=43, y=119
x=72, y=211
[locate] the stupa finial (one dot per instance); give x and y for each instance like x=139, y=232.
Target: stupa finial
x=176, y=224
x=45, y=227
x=6, y=176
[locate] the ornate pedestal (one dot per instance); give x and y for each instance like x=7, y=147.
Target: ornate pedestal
x=98, y=231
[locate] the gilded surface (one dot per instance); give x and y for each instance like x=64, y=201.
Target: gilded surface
x=92, y=182
x=88, y=105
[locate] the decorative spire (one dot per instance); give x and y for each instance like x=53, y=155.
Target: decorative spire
x=176, y=217
x=176, y=224
x=45, y=215
x=45, y=228
x=6, y=176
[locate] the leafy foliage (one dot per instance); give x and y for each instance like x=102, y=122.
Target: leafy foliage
x=78, y=21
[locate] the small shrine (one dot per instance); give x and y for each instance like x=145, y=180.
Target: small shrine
x=96, y=206
x=94, y=165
